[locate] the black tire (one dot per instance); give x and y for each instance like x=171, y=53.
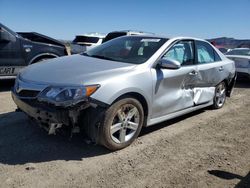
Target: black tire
x=219, y=96
x=113, y=117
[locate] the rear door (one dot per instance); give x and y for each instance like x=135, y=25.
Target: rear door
x=173, y=89
x=210, y=69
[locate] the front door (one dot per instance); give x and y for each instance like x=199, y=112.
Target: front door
x=173, y=89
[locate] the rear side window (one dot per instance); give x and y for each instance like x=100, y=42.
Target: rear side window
x=205, y=53
x=216, y=56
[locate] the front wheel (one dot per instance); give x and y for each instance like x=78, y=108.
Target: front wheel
x=122, y=124
x=220, y=95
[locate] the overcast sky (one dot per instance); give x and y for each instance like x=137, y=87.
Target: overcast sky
x=65, y=19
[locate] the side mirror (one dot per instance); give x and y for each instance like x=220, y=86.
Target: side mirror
x=169, y=64
x=4, y=36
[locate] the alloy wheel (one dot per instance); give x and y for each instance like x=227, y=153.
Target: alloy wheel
x=125, y=123
x=220, y=94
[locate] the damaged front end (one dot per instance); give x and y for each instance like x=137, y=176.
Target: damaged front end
x=57, y=108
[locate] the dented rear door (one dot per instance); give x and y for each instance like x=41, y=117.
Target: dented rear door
x=210, y=72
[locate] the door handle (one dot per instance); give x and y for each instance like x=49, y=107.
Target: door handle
x=193, y=73
x=221, y=68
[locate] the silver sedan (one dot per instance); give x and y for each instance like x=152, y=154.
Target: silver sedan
x=241, y=57
x=111, y=91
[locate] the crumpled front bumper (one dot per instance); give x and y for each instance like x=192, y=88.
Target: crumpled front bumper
x=40, y=112
x=84, y=116
x=49, y=116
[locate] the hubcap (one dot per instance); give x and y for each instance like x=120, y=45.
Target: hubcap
x=125, y=123
x=220, y=94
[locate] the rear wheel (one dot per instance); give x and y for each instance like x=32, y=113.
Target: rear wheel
x=220, y=95
x=122, y=124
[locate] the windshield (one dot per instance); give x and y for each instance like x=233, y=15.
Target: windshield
x=129, y=49
x=239, y=52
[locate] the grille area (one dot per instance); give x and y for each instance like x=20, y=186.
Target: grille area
x=28, y=93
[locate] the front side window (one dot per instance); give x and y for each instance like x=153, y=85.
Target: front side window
x=205, y=53
x=182, y=52
x=129, y=49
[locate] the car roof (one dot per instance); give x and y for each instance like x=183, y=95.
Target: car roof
x=172, y=38
x=131, y=32
x=99, y=35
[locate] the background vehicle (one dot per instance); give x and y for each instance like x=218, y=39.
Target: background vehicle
x=241, y=57
x=18, y=50
x=115, y=34
x=116, y=88
x=84, y=42
x=222, y=48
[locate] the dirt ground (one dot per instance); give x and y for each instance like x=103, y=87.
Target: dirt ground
x=208, y=148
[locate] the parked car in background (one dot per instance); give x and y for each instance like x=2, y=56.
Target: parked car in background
x=115, y=34
x=84, y=42
x=222, y=49
x=111, y=91
x=241, y=57
x=18, y=50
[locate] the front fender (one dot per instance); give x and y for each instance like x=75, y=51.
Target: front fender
x=139, y=82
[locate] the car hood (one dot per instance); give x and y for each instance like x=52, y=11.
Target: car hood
x=74, y=70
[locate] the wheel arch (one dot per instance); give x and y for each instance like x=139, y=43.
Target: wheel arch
x=137, y=96
x=42, y=56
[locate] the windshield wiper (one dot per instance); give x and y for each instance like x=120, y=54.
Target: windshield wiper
x=84, y=53
x=102, y=57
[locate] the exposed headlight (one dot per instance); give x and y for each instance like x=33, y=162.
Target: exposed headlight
x=66, y=95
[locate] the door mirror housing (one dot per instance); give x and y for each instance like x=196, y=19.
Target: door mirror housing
x=4, y=36
x=169, y=64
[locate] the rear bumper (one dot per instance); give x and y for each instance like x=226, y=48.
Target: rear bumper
x=243, y=73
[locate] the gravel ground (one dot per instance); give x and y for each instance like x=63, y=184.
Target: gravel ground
x=208, y=148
